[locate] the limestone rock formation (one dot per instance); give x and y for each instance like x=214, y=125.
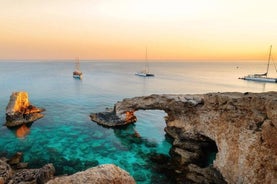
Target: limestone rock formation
x=31, y=176
x=240, y=128
x=5, y=172
x=20, y=111
x=107, y=173
x=15, y=159
x=11, y=174
x=110, y=119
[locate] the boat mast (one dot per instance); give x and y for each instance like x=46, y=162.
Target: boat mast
x=269, y=56
x=146, y=60
x=77, y=64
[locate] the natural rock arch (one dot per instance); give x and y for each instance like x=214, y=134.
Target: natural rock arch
x=240, y=124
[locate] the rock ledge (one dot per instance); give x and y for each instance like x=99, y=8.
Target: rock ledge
x=107, y=173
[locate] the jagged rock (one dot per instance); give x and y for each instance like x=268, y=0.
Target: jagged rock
x=15, y=159
x=103, y=174
x=5, y=172
x=12, y=171
x=110, y=119
x=241, y=127
x=19, y=110
x=207, y=175
x=33, y=176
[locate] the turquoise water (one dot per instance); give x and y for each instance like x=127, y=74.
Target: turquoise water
x=68, y=138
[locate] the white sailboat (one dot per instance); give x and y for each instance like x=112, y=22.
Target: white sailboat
x=145, y=72
x=77, y=74
x=261, y=77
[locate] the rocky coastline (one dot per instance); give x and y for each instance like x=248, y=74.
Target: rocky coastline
x=237, y=130
x=240, y=129
x=14, y=171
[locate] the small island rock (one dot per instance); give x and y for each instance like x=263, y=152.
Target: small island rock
x=20, y=111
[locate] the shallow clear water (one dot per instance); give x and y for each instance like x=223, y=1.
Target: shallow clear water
x=68, y=138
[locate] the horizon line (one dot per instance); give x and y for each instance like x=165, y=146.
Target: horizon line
x=128, y=60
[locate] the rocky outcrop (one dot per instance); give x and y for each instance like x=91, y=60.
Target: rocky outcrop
x=5, y=172
x=102, y=174
x=11, y=172
x=110, y=119
x=240, y=129
x=20, y=111
x=31, y=176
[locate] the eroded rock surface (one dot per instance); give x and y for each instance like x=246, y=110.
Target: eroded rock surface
x=20, y=111
x=11, y=172
x=31, y=176
x=5, y=172
x=103, y=174
x=240, y=127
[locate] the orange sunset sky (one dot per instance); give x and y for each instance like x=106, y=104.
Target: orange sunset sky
x=121, y=29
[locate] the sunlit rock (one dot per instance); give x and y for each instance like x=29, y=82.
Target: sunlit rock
x=103, y=174
x=110, y=119
x=20, y=111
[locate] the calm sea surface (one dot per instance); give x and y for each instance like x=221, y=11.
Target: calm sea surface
x=68, y=138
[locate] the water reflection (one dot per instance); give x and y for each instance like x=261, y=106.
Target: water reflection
x=22, y=131
x=260, y=86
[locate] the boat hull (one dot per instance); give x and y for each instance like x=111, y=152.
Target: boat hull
x=77, y=74
x=260, y=79
x=145, y=74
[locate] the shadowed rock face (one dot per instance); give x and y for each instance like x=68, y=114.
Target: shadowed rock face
x=19, y=110
x=242, y=126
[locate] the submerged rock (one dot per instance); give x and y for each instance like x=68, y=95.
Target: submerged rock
x=16, y=159
x=240, y=129
x=20, y=111
x=107, y=173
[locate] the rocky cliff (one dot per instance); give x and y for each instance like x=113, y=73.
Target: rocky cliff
x=20, y=111
x=239, y=128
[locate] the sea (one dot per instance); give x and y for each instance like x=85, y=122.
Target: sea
x=67, y=137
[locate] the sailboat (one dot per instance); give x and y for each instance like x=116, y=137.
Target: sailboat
x=145, y=72
x=261, y=77
x=77, y=74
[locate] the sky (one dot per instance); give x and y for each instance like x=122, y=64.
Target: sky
x=123, y=29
